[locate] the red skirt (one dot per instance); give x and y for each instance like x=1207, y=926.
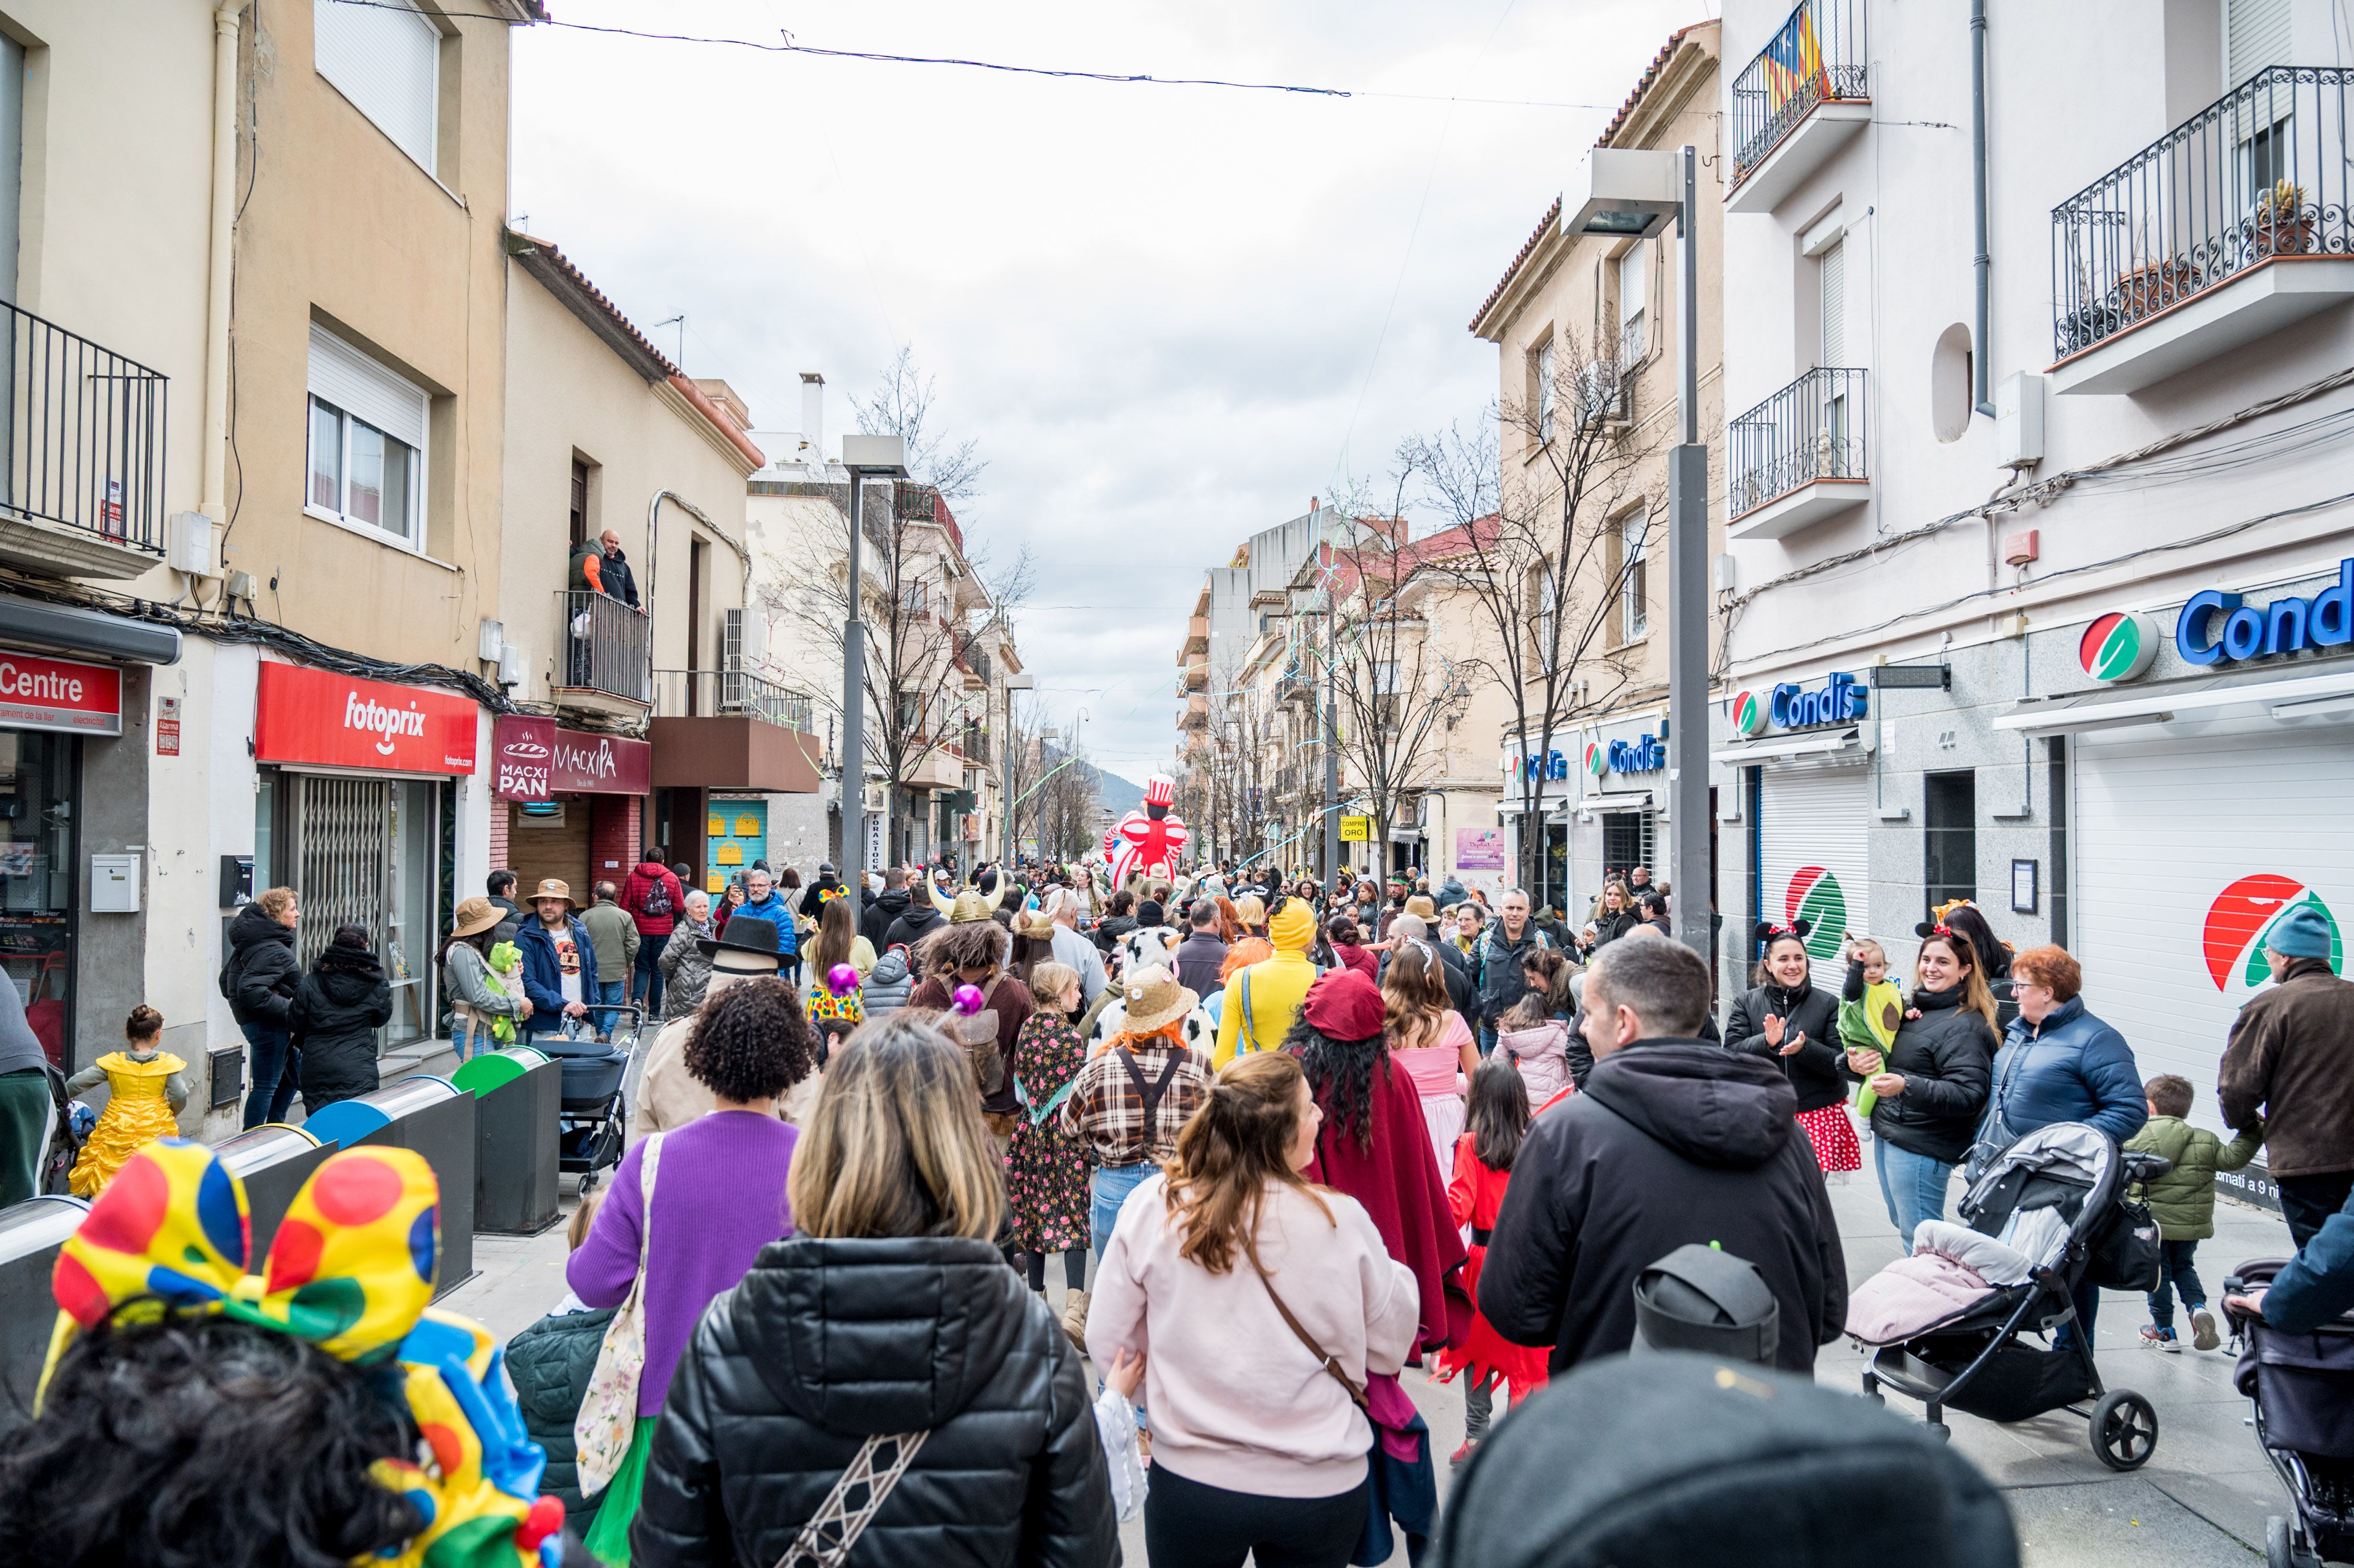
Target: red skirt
x=1834, y=1138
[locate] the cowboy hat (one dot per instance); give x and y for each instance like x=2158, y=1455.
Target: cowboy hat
x=551, y=888
x=476, y=914
x=1154, y=1000
x=744, y=934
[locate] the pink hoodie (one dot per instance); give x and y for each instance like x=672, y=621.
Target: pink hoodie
x=1234, y=1399
x=1543, y=1056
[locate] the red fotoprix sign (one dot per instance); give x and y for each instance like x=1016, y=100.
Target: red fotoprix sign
x=536, y=759
x=342, y=721
x=59, y=694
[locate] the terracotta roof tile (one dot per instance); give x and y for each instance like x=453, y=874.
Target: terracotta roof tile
x=1545, y=227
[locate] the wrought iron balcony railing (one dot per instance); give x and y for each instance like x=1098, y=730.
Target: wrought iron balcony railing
x=2260, y=173
x=729, y=693
x=605, y=645
x=1817, y=427
x=84, y=440
x=1820, y=54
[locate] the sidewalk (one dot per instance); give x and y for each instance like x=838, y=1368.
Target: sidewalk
x=2201, y=1499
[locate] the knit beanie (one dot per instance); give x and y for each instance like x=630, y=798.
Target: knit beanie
x=1293, y=928
x=2304, y=932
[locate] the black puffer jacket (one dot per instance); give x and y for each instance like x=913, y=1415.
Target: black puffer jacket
x=1814, y=1069
x=337, y=1010
x=1945, y=1057
x=874, y=922
x=826, y=1342
x=918, y=921
x=260, y=975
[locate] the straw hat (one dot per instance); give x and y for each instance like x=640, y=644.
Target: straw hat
x=1154, y=1000
x=475, y=916
x=552, y=887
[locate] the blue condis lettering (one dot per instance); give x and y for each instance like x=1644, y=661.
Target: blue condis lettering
x=2190, y=626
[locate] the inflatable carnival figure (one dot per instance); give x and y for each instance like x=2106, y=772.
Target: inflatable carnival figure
x=1150, y=840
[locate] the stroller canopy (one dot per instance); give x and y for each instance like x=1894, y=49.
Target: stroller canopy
x=2067, y=1167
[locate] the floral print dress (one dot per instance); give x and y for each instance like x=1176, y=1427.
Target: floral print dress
x=1046, y=1168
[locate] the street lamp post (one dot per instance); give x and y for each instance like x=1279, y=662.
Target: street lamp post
x=866, y=457
x=1021, y=682
x=1631, y=193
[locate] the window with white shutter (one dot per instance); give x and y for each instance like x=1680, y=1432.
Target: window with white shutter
x=1834, y=268
x=2255, y=38
x=1633, y=290
x=367, y=442
x=386, y=57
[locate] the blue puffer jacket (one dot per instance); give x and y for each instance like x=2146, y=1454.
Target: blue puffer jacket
x=542, y=975
x=2319, y=1283
x=2073, y=1068
x=774, y=909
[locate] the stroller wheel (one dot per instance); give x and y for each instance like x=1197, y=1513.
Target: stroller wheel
x=2123, y=1430
x=2281, y=1549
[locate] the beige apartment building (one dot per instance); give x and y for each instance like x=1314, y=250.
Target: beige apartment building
x=1587, y=332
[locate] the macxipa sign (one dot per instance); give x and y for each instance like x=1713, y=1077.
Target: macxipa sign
x=341, y=721
x=537, y=759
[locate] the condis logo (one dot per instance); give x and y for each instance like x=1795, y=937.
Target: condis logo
x=2119, y=646
x=1748, y=713
x=1815, y=897
x=2243, y=916
x=1597, y=762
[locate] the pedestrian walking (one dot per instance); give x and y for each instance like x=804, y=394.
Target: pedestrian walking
x=2182, y=1202
x=1129, y=1100
x=2288, y=1067
x=484, y=1009
x=654, y=899
x=690, y=1209
x=1674, y=1140
x=258, y=979
x=146, y=1088
x=838, y=945
x=1484, y=1153
x=888, y=984
x=1429, y=1038
x=550, y=1362
x=1497, y=962
x=971, y=951
x=614, y=934
x=1267, y=995
x=25, y=1101
x=1938, y=1064
x=1202, y=954
x=1539, y=1034
x=669, y=1094
x=1046, y=1165
x=1785, y=1019
x=685, y=970
x=829, y=1362
x=336, y=1011
x=1267, y=1305
x=1347, y=943
x=560, y=963
x=1373, y=1142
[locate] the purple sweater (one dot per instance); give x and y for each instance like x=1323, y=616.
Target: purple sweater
x=719, y=1198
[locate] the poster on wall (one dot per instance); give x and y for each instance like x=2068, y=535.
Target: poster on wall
x=1480, y=857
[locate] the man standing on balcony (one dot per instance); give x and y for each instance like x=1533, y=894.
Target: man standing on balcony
x=653, y=898
x=615, y=569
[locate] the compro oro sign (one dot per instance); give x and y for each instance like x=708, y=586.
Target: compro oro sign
x=305, y=715
x=59, y=694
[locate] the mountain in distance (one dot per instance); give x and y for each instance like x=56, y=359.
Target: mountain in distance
x=1118, y=796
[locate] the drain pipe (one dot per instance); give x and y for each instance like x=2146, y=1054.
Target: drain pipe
x=1983, y=403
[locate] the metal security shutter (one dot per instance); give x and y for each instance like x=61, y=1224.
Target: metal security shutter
x=2171, y=839
x=361, y=387
x=343, y=842
x=386, y=58
x=2255, y=36
x=1834, y=264
x=1813, y=858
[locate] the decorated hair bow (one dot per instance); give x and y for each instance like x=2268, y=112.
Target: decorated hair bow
x=351, y=1270
x=1769, y=933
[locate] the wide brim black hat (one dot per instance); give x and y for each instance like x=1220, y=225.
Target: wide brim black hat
x=745, y=934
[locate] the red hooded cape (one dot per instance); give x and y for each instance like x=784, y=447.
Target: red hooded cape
x=1396, y=1179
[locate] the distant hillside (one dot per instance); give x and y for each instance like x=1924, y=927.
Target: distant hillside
x=1118, y=796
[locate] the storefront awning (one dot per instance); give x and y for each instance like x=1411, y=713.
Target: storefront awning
x=2280, y=694
x=1852, y=737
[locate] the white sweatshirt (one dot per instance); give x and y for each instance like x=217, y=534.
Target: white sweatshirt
x=1234, y=1399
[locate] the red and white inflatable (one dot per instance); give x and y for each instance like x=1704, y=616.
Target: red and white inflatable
x=1149, y=840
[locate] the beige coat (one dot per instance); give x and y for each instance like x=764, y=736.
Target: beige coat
x=669, y=1096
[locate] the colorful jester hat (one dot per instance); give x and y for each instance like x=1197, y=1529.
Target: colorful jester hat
x=351, y=1270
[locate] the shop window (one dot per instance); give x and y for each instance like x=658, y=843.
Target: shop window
x=1626, y=841
x=367, y=463
x=38, y=861
x=385, y=59
x=2056, y=748
x=1950, y=827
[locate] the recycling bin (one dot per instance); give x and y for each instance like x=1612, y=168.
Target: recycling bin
x=436, y=1119
x=272, y=1162
x=518, y=1098
x=30, y=1235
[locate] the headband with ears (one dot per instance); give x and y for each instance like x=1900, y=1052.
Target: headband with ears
x=1767, y=931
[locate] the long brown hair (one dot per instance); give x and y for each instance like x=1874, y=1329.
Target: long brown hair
x=1229, y=1152
x=895, y=1146
x=1413, y=996
x=1976, y=996
x=836, y=931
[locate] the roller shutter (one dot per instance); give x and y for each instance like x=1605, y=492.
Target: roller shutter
x=1812, y=856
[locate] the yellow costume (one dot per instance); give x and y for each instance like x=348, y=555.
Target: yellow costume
x=138, y=1112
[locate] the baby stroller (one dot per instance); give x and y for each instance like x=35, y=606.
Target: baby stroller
x=67, y=1123
x=1949, y=1323
x=599, y=1077
x=2303, y=1389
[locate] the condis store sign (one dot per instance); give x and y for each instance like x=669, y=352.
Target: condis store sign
x=341, y=721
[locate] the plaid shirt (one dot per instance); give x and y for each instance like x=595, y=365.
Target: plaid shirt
x=1106, y=1109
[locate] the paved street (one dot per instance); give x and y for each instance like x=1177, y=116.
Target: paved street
x=2201, y=1501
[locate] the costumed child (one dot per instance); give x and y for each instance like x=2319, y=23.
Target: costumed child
x=1870, y=1008
x=148, y=1090
x=1496, y=1118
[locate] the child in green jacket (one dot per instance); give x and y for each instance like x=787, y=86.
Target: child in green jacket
x=2183, y=1203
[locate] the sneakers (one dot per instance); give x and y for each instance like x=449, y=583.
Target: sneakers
x=1458, y=1459
x=1074, y=1317
x=2154, y=1338
x=2204, y=1336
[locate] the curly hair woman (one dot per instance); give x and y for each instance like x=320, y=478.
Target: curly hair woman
x=973, y=953
x=698, y=1205
x=1374, y=1144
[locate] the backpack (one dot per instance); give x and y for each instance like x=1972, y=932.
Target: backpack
x=657, y=901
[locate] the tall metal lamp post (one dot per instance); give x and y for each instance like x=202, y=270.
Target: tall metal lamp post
x=1007, y=851
x=1631, y=194
x=866, y=457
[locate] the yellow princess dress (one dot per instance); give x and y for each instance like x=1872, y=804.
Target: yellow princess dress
x=141, y=1109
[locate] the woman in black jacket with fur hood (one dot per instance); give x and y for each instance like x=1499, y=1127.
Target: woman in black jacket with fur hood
x=891, y=1312
x=1787, y=1018
x=333, y=1017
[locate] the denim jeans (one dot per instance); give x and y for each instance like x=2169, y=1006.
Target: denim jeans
x=1911, y=1185
x=2176, y=1275
x=1487, y=1040
x=646, y=980
x=611, y=993
x=1110, y=1186
x=276, y=1071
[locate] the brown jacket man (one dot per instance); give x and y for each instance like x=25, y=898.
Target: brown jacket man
x=2290, y=1067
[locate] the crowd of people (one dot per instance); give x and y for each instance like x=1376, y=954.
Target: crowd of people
x=1288, y=1140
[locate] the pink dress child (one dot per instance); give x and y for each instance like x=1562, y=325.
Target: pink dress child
x=1437, y=1074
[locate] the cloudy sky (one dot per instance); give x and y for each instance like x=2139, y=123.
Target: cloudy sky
x=1168, y=315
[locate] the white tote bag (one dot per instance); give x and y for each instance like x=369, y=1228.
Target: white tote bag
x=608, y=1413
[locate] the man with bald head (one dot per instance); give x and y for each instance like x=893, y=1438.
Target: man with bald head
x=614, y=570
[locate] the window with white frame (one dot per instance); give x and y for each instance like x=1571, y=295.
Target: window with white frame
x=1541, y=367
x=366, y=443
x=386, y=57
x=1634, y=298
x=1634, y=576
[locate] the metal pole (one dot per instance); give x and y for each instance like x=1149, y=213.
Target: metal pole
x=1331, y=751
x=1688, y=823
x=853, y=718
x=1005, y=763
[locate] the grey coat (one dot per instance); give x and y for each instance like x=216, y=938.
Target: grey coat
x=470, y=982
x=686, y=968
